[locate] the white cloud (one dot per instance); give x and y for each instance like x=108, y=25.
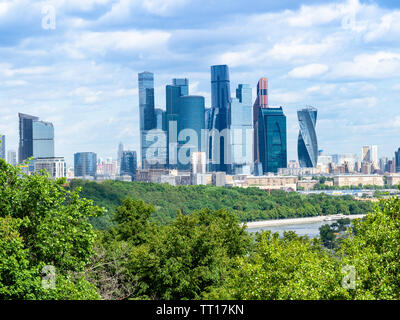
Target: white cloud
x=300, y=47
x=383, y=64
x=103, y=42
x=314, y=15
x=163, y=7
x=308, y=71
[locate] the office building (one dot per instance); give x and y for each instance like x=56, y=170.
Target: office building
x=183, y=84
x=106, y=170
x=272, y=139
x=307, y=145
x=85, y=164
x=198, y=162
x=366, y=154
x=260, y=103
x=12, y=157
x=374, y=156
x=191, y=125
x=36, y=138
x=220, y=104
x=119, y=156
x=397, y=160
x=129, y=164
x=241, y=131
x=185, y=116
x=146, y=113
x=392, y=179
x=356, y=180
x=55, y=166
x=173, y=94
x=3, y=147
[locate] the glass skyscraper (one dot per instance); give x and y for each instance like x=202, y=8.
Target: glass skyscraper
x=397, y=160
x=183, y=84
x=129, y=164
x=260, y=103
x=85, y=164
x=173, y=94
x=191, y=123
x=146, y=111
x=241, y=131
x=36, y=138
x=220, y=117
x=3, y=147
x=185, y=116
x=272, y=140
x=307, y=146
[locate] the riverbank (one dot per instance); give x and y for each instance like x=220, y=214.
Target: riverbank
x=282, y=222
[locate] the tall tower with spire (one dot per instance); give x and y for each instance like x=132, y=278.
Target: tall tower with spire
x=260, y=103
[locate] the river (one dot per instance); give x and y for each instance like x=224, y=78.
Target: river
x=303, y=226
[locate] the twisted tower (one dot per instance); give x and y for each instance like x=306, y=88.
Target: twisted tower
x=307, y=147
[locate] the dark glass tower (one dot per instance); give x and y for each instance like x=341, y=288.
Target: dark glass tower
x=36, y=138
x=2, y=147
x=192, y=120
x=397, y=160
x=173, y=94
x=272, y=140
x=85, y=164
x=183, y=84
x=220, y=115
x=146, y=111
x=307, y=147
x=129, y=164
x=184, y=112
x=260, y=103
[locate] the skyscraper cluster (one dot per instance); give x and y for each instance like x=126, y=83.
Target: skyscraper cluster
x=237, y=136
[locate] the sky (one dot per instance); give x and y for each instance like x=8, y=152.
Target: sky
x=75, y=63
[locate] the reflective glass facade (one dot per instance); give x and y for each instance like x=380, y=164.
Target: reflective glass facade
x=191, y=122
x=220, y=115
x=3, y=147
x=272, y=139
x=43, y=139
x=260, y=103
x=85, y=164
x=155, y=145
x=146, y=108
x=36, y=138
x=183, y=84
x=172, y=94
x=129, y=164
x=241, y=131
x=307, y=146
x=397, y=160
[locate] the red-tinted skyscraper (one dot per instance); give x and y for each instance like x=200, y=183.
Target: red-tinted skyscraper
x=261, y=102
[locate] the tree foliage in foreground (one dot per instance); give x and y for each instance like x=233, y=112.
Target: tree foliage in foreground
x=205, y=254
x=43, y=224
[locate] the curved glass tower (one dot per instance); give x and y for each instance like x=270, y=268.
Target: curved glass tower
x=190, y=125
x=307, y=147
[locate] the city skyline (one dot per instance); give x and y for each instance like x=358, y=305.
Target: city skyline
x=341, y=57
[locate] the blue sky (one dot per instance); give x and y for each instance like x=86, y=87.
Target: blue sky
x=342, y=57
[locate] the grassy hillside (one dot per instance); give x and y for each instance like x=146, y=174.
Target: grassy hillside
x=248, y=204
